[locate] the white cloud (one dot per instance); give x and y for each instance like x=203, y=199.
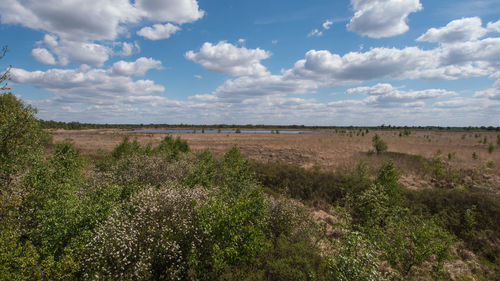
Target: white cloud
x=266, y=85
x=385, y=95
x=82, y=52
x=241, y=41
x=85, y=85
x=197, y=76
x=178, y=11
x=321, y=68
x=450, y=61
x=491, y=93
x=137, y=68
x=315, y=32
x=72, y=20
x=158, y=31
x=43, y=55
x=76, y=27
x=327, y=24
x=82, y=20
x=381, y=18
x=227, y=58
x=128, y=49
x=465, y=29
x=493, y=26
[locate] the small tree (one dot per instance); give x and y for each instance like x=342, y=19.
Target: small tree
x=20, y=133
x=4, y=77
x=379, y=144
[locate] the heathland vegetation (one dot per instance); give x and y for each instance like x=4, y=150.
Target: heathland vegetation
x=163, y=212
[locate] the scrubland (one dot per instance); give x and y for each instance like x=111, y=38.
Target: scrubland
x=115, y=205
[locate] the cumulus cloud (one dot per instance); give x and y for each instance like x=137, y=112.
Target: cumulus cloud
x=71, y=19
x=448, y=62
x=128, y=49
x=158, y=31
x=178, y=11
x=136, y=68
x=465, y=29
x=230, y=59
x=321, y=68
x=267, y=85
x=385, y=95
x=76, y=51
x=43, y=55
x=77, y=26
x=491, y=93
x=381, y=18
x=493, y=26
x=87, y=85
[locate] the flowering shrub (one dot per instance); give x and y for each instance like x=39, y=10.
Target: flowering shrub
x=151, y=237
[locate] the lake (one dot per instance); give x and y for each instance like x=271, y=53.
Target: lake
x=211, y=131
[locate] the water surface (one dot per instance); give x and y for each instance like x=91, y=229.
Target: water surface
x=211, y=131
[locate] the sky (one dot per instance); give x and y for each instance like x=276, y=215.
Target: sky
x=282, y=62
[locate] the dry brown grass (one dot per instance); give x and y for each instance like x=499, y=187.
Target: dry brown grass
x=326, y=148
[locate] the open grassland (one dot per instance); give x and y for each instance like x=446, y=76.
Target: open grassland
x=326, y=148
x=331, y=150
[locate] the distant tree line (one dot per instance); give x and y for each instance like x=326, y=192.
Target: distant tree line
x=80, y=126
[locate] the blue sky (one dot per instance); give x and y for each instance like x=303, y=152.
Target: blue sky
x=317, y=62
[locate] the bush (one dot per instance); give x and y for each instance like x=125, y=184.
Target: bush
x=356, y=259
x=379, y=144
x=126, y=148
x=409, y=241
x=20, y=136
x=152, y=237
x=308, y=185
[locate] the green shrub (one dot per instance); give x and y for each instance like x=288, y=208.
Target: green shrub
x=379, y=144
x=234, y=171
x=409, y=241
x=170, y=148
x=21, y=138
x=203, y=172
x=454, y=207
x=356, y=259
x=310, y=186
x=126, y=148
x=491, y=147
x=18, y=259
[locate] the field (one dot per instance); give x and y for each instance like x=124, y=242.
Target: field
x=335, y=151
x=324, y=205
